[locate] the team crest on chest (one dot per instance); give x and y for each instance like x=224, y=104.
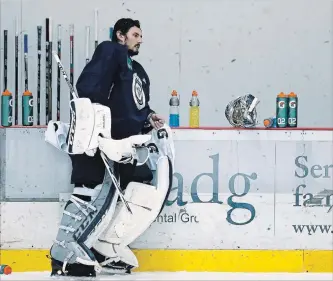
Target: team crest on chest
x=138, y=93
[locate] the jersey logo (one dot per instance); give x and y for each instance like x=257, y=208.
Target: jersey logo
x=138, y=93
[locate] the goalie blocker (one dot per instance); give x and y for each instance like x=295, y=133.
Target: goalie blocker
x=97, y=228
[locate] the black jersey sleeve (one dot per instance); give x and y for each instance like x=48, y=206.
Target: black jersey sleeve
x=98, y=75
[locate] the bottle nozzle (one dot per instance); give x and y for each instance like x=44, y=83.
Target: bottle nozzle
x=6, y=93
x=282, y=95
x=27, y=93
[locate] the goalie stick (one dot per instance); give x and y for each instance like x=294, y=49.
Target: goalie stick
x=39, y=56
x=75, y=96
x=16, y=70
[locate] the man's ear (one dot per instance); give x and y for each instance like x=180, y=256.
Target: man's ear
x=120, y=37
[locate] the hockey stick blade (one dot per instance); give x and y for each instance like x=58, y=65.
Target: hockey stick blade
x=75, y=96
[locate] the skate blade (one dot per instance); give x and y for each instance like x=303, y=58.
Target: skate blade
x=115, y=271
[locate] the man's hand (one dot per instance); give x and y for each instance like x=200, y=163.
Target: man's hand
x=156, y=121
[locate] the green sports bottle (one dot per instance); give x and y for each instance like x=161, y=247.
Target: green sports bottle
x=281, y=110
x=292, y=110
x=6, y=109
x=27, y=109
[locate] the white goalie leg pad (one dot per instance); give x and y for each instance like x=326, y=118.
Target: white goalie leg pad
x=146, y=202
x=83, y=222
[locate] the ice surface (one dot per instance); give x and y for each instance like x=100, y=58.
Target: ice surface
x=177, y=276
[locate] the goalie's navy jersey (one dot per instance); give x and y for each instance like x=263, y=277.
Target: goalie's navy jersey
x=114, y=80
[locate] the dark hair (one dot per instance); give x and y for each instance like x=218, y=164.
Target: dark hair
x=123, y=25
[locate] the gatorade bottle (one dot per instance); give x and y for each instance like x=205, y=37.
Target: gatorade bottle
x=5, y=269
x=292, y=110
x=6, y=109
x=281, y=110
x=194, y=110
x=174, y=110
x=27, y=109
